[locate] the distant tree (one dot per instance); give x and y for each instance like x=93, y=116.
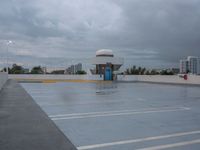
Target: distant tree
x=170, y=73
x=131, y=71
x=143, y=71
x=58, y=72
x=127, y=71
x=139, y=70
x=81, y=72
x=147, y=72
x=163, y=72
x=16, y=69
x=154, y=72
x=166, y=72
x=135, y=71
x=4, y=69
x=37, y=70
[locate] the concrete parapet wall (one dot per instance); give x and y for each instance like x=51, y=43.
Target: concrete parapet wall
x=174, y=79
x=55, y=77
x=127, y=78
x=3, y=79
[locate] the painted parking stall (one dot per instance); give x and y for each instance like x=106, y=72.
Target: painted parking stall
x=117, y=116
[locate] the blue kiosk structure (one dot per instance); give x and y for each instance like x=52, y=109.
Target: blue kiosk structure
x=106, y=63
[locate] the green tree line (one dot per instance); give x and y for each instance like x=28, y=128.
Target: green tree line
x=143, y=71
x=17, y=69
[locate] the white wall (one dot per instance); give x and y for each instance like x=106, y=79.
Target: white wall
x=127, y=78
x=175, y=79
x=3, y=79
x=55, y=77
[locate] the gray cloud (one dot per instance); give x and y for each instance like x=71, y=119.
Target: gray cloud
x=147, y=32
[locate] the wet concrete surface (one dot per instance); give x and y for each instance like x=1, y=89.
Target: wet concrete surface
x=116, y=116
x=23, y=124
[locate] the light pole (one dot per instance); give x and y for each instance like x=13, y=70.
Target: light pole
x=7, y=46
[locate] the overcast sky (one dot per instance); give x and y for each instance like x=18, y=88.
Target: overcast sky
x=152, y=33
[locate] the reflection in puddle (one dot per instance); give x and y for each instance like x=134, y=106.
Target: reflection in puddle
x=106, y=88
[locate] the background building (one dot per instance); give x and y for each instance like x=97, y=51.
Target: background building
x=44, y=69
x=190, y=65
x=73, y=69
x=193, y=64
x=106, y=63
x=184, y=66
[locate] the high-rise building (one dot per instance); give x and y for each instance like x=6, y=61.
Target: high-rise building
x=190, y=65
x=78, y=67
x=198, y=66
x=44, y=69
x=73, y=69
x=184, y=66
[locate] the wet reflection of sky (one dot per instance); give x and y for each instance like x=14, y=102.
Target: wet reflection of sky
x=106, y=88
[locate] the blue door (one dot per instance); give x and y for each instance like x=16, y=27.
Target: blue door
x=108, y=73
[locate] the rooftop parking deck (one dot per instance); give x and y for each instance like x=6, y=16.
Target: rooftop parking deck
x=126, y=116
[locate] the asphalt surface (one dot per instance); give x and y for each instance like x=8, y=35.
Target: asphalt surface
x=123, y=116
x=24, y=126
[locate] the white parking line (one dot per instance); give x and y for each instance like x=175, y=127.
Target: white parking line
x=39, y=92
x=115, y=113
x=41, y=96
x=146, y=139
x=160, y=147
x=47, y=104
x=118, y=111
